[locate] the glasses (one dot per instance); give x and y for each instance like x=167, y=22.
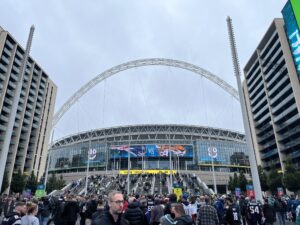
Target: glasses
x=118, y=202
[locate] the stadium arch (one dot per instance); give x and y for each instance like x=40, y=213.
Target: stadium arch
x=140, y=63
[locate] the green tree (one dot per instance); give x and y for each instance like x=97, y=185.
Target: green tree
x=230, y=184
x=274, y=180
x=60, y=183
x=5, y=182
x=242, y=181
x=235, y=181
x=17, y=182
x=263, y=179
x=51, y=183
x=31, y=182
x=291, y=177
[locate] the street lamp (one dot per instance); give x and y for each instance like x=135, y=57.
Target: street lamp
x=213, y=153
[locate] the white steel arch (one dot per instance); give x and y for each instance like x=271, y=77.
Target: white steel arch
x=139, y=63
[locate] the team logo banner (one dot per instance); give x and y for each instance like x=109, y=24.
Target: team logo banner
x=151, y=151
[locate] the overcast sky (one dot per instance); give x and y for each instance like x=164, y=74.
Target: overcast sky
x=74, y=41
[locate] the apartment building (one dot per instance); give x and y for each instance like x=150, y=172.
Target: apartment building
x=32, y=124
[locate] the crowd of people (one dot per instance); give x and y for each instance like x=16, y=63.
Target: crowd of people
x=115, y=208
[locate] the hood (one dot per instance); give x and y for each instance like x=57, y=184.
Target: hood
x=134, y=205
x=185, y=218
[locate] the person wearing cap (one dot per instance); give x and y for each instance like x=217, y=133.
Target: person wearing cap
x=15, y=217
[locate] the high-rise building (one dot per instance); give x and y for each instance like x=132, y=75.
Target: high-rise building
x=272, y=93
x=28, y=144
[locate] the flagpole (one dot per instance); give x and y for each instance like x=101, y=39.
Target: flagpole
x=128, y=176
x=170, y=160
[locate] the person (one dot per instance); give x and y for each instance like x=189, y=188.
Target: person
x=254, y=212
x=134, y=214
x=298, y=215
x=100, y=210
x=219, y=205
x=180, y=217
x=15, y=217
x=207, y=214
x=44, y=210
x=269, y=213
x=113, y=216
x=280, y=208
x=172, y=199
x=70, y=211
x=243, y=208
x=8, y=206
x=30, y=218
x=91, y=207
x=156, y=212
x=167, y=220
x=232, y=215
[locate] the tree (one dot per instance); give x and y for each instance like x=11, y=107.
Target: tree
x=233, y=182
x=274, y=180
x=291, y=177
x=242, y=181
x=230, y=184
x=5, y=182
x=17, y=182
x=51, y=183
x=60, y=183
x=31, y=182
x=263, y=179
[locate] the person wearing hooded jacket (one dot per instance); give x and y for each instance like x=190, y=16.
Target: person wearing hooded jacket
x=180, y=217
x=134, y=214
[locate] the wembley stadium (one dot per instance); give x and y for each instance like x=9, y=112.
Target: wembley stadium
x=151, y=149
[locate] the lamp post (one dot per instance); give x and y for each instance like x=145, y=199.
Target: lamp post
x=213, y=153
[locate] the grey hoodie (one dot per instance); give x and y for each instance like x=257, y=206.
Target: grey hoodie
x=29, y=220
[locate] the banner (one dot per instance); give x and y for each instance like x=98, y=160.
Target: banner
x=250, y=191
x=178, y=193
x=292, y=31
x=147, y=171
x=40, y=191
x=139, y=151
x=237, y=192
x=280, y=192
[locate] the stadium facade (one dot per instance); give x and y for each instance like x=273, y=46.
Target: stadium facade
x=149, y=147
x=29, y=138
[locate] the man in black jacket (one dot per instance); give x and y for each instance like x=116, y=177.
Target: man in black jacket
x=114, y=215
x=180, y=217
x=134, y=214
x=70, y=211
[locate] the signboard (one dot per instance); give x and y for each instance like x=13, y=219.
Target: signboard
x=28, y=193
x=178, y=192
x=292, y=30
x=147, y=171
x=212, y=152
x=92, y=153
x=237, y=192
x=296, y=10
x=139, y=151
x=40, y=191
x=250, y=191
x=280, y=192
